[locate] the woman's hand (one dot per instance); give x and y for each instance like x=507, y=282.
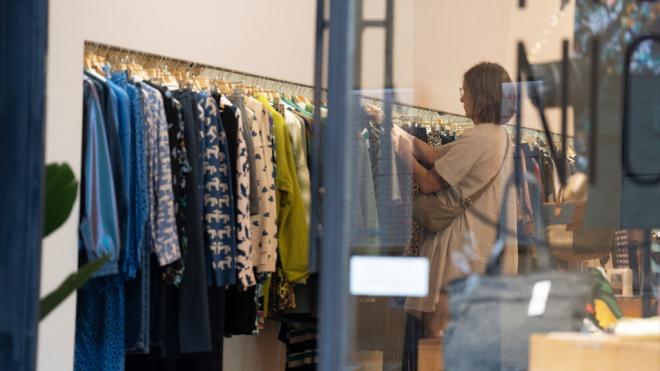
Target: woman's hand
x=405, y=150
x=428, y=180
x=401, y=141
x=403, y=145
x=397, y=133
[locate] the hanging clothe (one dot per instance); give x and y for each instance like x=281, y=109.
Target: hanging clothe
x=264, y=224
x=134, y=159
x=193, y=297
x=100, y=306
x=137, y=286
x=128, y=258
x=99, y=219
x=414, y=244
x=173, y=273
x=237, y=146
x=162, y=221
x=218, y=197
x=100, y=326
x=296, y=129
x=364, y=211
x=293, y=232
x=246, y=127
x=191, y=256
x=245, y=259
x=301, y=346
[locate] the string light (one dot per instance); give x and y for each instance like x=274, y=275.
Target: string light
x=555, y=20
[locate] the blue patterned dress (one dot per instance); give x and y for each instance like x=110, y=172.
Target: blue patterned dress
x=218, y=196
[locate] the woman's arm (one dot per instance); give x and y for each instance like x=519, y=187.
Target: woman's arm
x=425, y=153
x=427, y=179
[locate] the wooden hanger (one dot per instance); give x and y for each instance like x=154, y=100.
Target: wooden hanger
x=169, y=79
x=133, y=68
x=179, y=74
x=117, y=62
x=225, y=88
x=96, y=62
x=204, y=82
x=200, y=82
x=88, y=60
x=151, y=69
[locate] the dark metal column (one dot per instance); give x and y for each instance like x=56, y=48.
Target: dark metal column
x=23, y=39
x=334, y=330
x=346, y=26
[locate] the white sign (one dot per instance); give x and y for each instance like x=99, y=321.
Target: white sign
x=389, y=276
x=539, y=298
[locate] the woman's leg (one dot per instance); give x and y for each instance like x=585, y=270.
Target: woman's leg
x=436, y=322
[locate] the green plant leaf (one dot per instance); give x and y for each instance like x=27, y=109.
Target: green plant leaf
x=69, y=285
x=603, y=291
x=61, y=188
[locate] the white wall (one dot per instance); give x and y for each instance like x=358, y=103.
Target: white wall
x=435, y=42
x=451, y=36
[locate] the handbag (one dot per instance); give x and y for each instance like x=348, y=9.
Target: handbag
x=431, y=212
x=492, y=316
x=567, y=237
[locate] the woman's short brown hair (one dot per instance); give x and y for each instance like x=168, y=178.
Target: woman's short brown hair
x=492, y=93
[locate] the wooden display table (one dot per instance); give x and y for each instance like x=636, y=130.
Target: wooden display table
x=631, y=306
x=580, y=352
x=429, y=355
x=367, y=361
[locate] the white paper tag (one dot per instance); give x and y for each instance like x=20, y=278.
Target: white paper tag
x=389, y=276
x=539, y=298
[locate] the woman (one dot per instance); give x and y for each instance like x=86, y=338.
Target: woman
x=457, y=171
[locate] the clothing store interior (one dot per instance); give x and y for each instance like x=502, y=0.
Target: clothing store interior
x=371, y=185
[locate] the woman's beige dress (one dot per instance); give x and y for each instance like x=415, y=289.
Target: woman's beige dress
x=467, y=165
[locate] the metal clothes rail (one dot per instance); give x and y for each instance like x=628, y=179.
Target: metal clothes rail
x=456, y=122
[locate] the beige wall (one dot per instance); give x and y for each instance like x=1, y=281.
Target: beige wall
x=451, y=36
x=435, y=42
x=373, y=49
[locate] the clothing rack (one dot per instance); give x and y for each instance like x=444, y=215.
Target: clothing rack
x=528, y=134
x=428, y=116
x=208, y=70
x=458, y=123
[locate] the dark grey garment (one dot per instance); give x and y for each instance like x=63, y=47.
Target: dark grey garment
x=414, y=331
x=194, y=325
x=161, y=358
x=239, y=102
x=240, y=311
x=138, y=304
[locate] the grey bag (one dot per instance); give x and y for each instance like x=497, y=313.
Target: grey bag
x=435, y=216
x=490, y=321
